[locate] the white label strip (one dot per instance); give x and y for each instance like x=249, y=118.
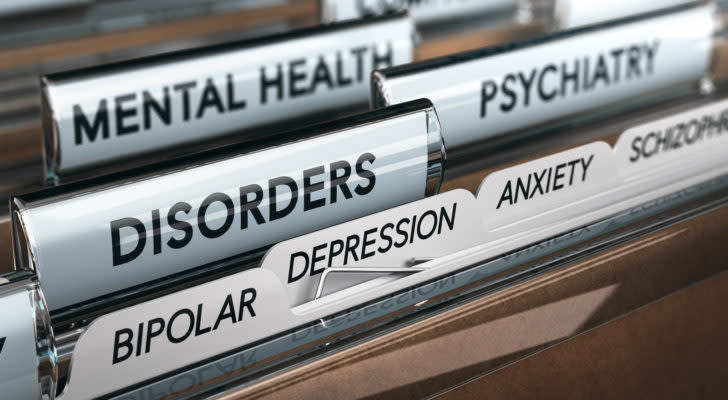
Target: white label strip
x=546, y=190
x=429, y=228
x=103, y=117
x=152, y=338
x=514, y=89
x=675, y=146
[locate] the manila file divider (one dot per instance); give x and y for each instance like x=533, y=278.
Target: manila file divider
x=498, y=325
x=607, y=193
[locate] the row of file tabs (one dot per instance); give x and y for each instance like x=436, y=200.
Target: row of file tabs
x=245, y=200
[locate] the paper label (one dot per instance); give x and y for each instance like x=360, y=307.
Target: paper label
x=676, y=145
x=162, y=335
x=427, y=228
x=548, y=189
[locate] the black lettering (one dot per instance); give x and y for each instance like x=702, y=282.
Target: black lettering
x=339, y=181
x=315, y=259
x=122, y=113
x=651, y=51
x=247, y=303
x=386, y=237
x=266, y=83
x=508, y=91
x=341, y=80
x=448, y=219
x=81, y=124
x=183, y=226
x=199, y=331
x=210, y=98
x=232, y=103
x=541, y=91
x=487, y=93
x=617, y=57
x=309, y=188
x=227, y=311
x=358, y=52
x=572, y=164
x=187, y=333
x=520, y=188
x=152, y=333
x=506, y=195
x=321, y=74
x=252, y=205
x=351, y=249
x=140, y=335
x=600, y=72
x=527, y=82
x=126, y=343
x=633, y=62
x=185, y=87
x=116, y=226
x=156, y=232
x=585, y=83
x=402, y=232
x=366, y=242
x=202, y=223
x=585, y=166
x=163, y=111
x=365, y=173
x=557, y=176
x=291, y=277
x=295, y=77
x=336, y=247
x=569, y=77
x=379, y=60
x=274, y=213
x=537, y=183
x=425, y=236
x=635, y=148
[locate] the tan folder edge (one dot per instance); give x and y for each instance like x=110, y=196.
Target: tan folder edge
x=672, y=348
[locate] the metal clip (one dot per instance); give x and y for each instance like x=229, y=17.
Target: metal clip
x=377, y=270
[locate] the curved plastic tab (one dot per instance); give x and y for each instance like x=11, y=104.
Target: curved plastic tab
x=493, y=91
x=676, y=146
x=119, y=111
x=27, y=351
x=143, y=341
x=120, y=234
x=548, y=189
x=397, y=237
